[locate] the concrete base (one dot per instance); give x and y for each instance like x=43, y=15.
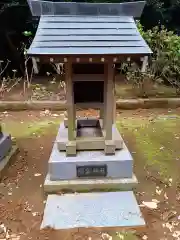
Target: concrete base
x=84, y=185
x=62, y=167
x=5, y=145
x=98, y=211
x=6, y=160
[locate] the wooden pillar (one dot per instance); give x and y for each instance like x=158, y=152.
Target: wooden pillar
x=105, y=96
x=114, y=109
x=114, y=98
x=70, y=100
x=101, y=114
x=74, y=118
x=35, y=66
x=144, y=64
x=109, y=101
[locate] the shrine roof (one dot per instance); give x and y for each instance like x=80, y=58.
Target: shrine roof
x=89, y=34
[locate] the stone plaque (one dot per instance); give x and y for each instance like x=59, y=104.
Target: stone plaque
x=92, y=171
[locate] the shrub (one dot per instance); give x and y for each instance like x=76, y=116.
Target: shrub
x=164, y=64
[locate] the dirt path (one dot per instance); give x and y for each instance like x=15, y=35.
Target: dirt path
x=21, y=188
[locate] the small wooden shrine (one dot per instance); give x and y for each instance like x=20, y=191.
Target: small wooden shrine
x=89, y=39
x=89, y=153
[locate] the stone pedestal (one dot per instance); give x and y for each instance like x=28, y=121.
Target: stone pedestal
x=7, y=150
x=5, y=144
x=89, y=166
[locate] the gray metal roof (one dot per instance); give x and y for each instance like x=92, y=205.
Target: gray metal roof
x=40, y=7
x=88, y=35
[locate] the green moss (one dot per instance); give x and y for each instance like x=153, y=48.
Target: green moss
x=156, y=142
x=127, y=236
x=31, y=128
x=126, y=90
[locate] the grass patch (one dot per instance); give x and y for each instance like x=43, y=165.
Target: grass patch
x=130, y=235
x=157, y=142
x=126, y=90
x=31, y=128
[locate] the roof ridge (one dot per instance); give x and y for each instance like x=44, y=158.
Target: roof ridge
x=39, y=7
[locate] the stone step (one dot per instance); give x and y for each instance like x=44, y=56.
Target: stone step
x=100, y=211
x=84, y=185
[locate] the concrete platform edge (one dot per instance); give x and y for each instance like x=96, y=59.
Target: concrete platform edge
x=89, y=185
x=120, y=104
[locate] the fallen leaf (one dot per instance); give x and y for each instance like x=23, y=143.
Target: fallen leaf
x=165, y=196
x=106, y=236
x=7, y=235
x=155, y=201
x=158, y=191
x=120, y=236
x=166, y=216
x=176, y=234
x=27, y=209
x=151, y=205
x=170, y=180
x=145, y=237
x=2, y=229
x=169, y=226
x=35, y=214
x=56, y=115
x=37, y=174
x=46, y=111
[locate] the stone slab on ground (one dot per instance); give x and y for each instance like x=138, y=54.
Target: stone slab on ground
x=5, y=145
x=62, y=167
x=84, y=185
x=105, y=211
